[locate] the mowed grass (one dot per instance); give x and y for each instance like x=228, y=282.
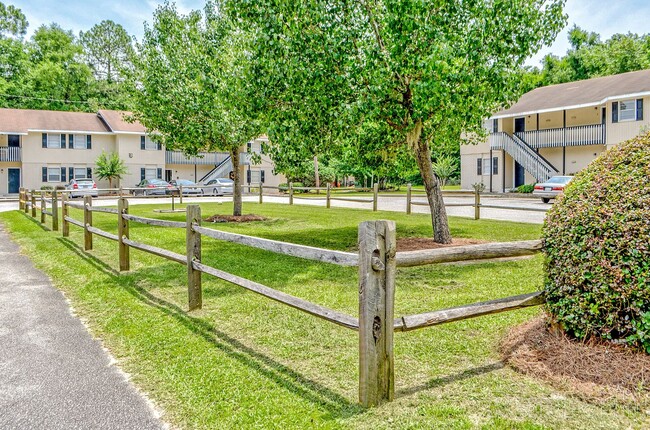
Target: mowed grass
x=244, y=361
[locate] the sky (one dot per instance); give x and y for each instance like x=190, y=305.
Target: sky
x=606, y=17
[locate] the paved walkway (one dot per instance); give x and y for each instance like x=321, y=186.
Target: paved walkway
x=53, y=375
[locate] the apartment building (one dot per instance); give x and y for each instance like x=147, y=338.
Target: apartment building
x=557, y=130
x=49, y=148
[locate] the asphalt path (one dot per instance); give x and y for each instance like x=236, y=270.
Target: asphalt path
x=53, y=375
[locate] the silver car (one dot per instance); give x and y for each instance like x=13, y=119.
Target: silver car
x=552, y=188
x=189, y=187
x=219, y=186
x=82, y=187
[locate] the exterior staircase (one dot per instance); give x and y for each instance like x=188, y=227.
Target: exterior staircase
x=221, y=170
x=524, y=154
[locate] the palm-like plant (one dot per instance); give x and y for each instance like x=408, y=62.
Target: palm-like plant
x=444, y=168
x=110, y=166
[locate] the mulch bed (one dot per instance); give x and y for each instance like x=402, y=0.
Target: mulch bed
x=594, y=371
x=417, y=243
x=232, y=218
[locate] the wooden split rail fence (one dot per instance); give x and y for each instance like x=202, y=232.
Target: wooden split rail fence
x=377, y=262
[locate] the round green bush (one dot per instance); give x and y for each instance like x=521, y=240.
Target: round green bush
x=597, y=246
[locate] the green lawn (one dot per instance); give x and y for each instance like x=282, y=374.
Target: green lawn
x=246, y=362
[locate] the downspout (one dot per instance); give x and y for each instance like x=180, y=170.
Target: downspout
x=564, y=142
x=491, y=169
x=503, y=172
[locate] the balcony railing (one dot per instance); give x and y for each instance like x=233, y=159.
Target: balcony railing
x=568, y=136
x=10, y=153
x=210, y=158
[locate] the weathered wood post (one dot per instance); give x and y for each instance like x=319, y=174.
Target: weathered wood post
x=20, y=199
x=377, y=245
x=375, y=196
x=261, y=192
x=408, y=198
x=65, y=227
x=477, y=204
x=55, y=211
x=290, y=193
x=329, y=195
x=88, y=222
x=193, y=242
x=180, y=194
x=123, y=233
x=43, y=207
x=27, y=201
x=33, y=204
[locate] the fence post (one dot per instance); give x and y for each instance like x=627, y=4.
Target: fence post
x=20, y=199
x=193, y=242
x=64, y=213
x=377, y=269
x=43, y=207
x=375, y=196
x=180, y=194
x=408, y=199
x=27, y=201
x=88, y=222
x=329, y=191
x=33, y=204
x=261, y=192
x=290, y=193
x=477, y=204
x=122, y=233
x=55, y=212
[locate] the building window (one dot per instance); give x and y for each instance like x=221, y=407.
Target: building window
x=80, y=172
x=627, y=110
x=79, y=141
x=54, y=140
x=146, y=144
x=479, y=166
x=53, y=174
x=150, y=173
x=486, y=166
x=495, y=165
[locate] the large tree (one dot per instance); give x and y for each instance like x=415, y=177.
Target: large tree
x=426, y=71
x=192, y=85
x=108, y=49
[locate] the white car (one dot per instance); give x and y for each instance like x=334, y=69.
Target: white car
x=218, y=187
x=552, y=188
x=82, y=187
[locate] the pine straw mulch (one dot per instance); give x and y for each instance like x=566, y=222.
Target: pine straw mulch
x=233, y=218
x=417, y=243
x=593, y=371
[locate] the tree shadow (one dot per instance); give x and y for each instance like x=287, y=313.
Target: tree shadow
x=37, y=222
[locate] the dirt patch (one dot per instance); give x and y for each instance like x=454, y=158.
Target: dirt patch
x=593, y=371
x=417, y=243
x=233, y=218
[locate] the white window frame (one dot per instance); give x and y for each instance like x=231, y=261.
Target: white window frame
x=151, y=173
x=630, y=102
x=150, y=145
x=486, y=167
x=52, y=142
x=79, y=141
x=83, y=170
x=50, y=175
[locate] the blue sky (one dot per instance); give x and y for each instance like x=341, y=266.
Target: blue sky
x=602, y=16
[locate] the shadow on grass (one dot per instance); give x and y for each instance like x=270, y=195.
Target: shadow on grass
x=37, y=221
x=335, y=404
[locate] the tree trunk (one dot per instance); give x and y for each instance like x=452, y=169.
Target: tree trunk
x=316, y=176
x=441, y=233
x=236, y=189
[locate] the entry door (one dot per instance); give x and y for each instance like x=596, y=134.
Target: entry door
x=520, y=125
x=520, y=174
x=168, y=175
x=13, y=181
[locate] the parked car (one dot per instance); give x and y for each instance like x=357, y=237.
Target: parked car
x=189, y=187
x=219, y=186
x=552, y=188
x=82, y=187
x=151, y=187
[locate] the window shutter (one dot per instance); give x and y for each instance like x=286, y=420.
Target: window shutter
x=44, y=136
x=142, y=174
x=44, y=174
x=89, y=142
x=248, y=176
x=249, y=146
x=63, y=174
x=614, y=111
x=71, y=172
x=70, y=141
x=159, y=146
x=62, y=140
x=159, y=173
x=479, y=165
x=495, y=165
x=89, y=172
x=495, y=125
x=639, y=109
x=262, y=176
x=142, y=143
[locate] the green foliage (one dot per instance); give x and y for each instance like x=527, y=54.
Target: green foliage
x=110, y=166
x=597, y=244
x=108, y=49
x=444, y=168
x=12, y=21
x=525, y=189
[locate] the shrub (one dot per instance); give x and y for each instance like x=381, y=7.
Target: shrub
x=525, y=189
x=597, y=245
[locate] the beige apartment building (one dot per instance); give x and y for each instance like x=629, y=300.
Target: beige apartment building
x=557, y=130
x=49, y=148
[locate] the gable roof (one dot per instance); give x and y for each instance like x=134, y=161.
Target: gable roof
x=572, y=95
x=21, y=121
x=116, y=122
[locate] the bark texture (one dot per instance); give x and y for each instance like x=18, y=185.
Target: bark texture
x=236, y=191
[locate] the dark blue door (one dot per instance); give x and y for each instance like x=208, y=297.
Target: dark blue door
x=520, y=174
x=14, y=181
